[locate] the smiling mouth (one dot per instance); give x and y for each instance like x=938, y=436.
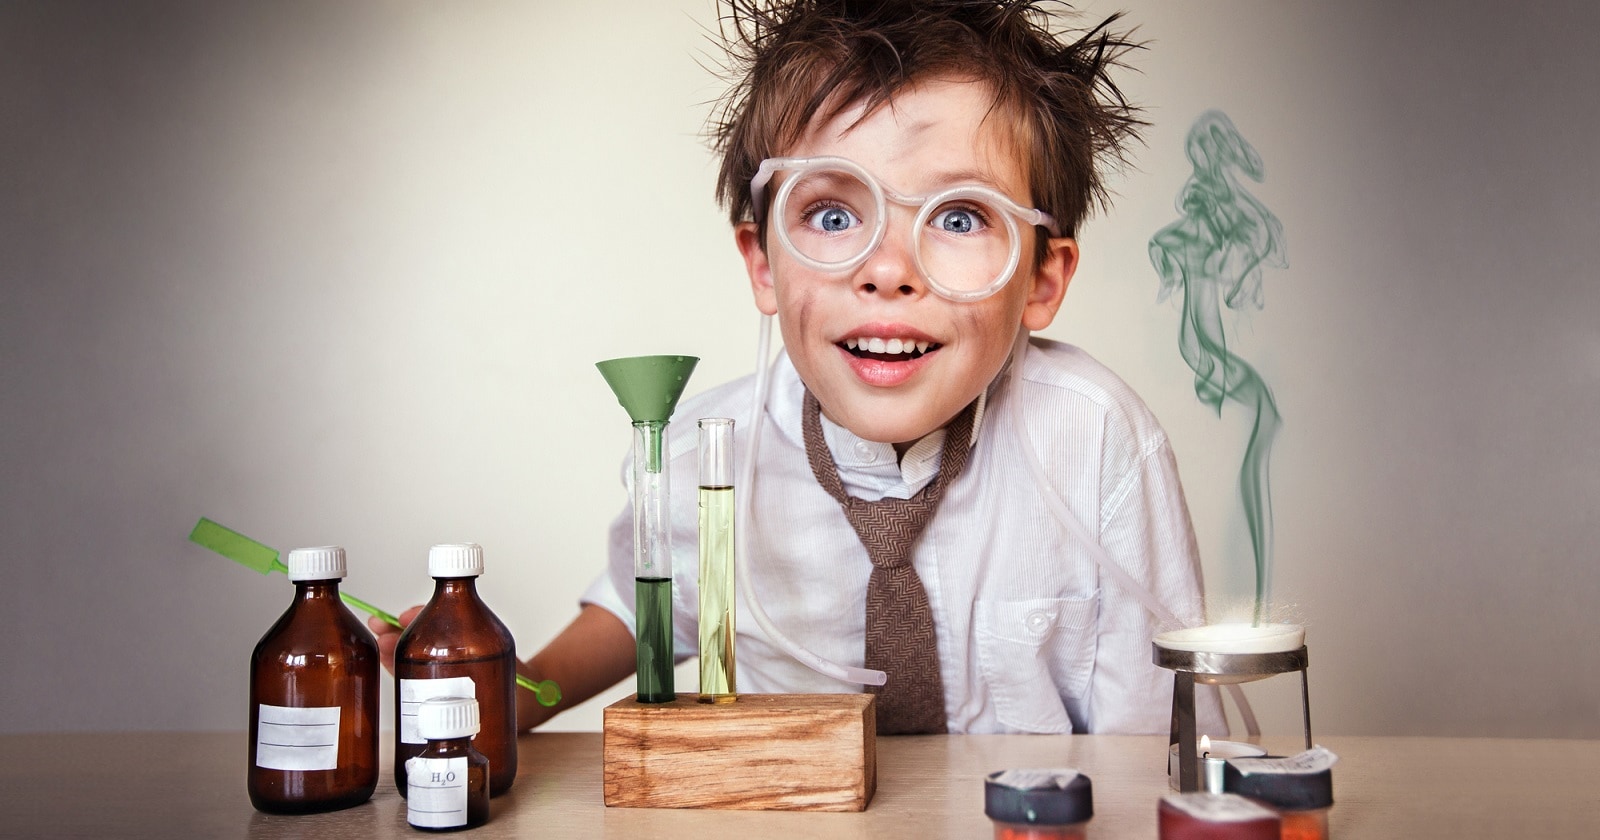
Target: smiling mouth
x=888, y=349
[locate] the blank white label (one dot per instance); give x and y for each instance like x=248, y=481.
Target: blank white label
x=436, y=792
x=290, y=738
x=413, y=692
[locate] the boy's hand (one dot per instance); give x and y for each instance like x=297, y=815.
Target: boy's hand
x=389, y=635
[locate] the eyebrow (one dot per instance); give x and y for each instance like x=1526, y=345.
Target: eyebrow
x=830, y=178
x=941, y=179
x=963, y=176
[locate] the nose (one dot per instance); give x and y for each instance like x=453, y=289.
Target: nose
x=891, y=270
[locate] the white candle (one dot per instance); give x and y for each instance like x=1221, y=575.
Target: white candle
x=1212, y=756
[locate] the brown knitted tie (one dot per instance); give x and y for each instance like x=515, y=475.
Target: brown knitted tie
x=900, y=636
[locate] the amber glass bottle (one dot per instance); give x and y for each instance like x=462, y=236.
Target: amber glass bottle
x=456, y=647
x=314, y=698
x=448, y=780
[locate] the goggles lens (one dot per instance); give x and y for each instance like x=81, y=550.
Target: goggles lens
x=963, y=240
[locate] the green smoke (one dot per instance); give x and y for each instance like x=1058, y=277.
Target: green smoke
x=1216, y=251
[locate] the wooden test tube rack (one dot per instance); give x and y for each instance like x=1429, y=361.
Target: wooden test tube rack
x=764, y=752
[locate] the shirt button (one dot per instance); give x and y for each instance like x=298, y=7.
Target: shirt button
x=1038, y=622
x=866, y=452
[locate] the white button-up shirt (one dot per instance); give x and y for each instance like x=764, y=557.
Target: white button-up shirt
x=1031, y=637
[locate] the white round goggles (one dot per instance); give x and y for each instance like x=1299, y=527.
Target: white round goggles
x=831, y=214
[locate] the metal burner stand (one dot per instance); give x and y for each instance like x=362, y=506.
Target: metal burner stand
x=1205, y=668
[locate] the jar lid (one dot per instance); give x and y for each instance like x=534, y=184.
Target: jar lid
x=1060, y=796
x=1294, y=783
x=324, y=562
x=1218, y=808
x=447, y=717
x=454, y=561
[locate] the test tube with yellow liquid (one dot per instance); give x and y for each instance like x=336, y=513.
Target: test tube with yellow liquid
x=716, y=561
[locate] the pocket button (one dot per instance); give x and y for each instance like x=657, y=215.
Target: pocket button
x=1038, y=622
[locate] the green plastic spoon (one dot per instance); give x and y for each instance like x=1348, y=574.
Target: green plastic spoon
x=264, y=559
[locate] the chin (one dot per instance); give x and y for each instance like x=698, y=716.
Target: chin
x=897, y=432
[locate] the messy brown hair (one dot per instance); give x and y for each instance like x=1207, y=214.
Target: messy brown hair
x=795, y=61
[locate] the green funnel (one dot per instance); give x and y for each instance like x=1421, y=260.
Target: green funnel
x=648, y=386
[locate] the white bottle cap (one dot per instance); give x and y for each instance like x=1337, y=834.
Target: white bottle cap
x=321, y=563
x=454, y=561
x=447, y=717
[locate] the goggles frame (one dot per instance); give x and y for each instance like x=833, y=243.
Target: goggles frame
x=881, y=195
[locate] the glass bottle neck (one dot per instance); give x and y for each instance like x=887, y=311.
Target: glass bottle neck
x=316, y=590
x=449, y=746
x=462, y=586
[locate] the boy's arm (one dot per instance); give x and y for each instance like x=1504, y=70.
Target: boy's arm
x=593, y=653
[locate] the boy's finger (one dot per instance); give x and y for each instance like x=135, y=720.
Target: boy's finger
x=379, y=627
x=387, y=642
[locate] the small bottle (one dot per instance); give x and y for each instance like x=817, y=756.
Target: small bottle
x=1039, y=804
x=1214, y=816
x=314, y=698
x=457, y=647
x=448, y=781
x=1299, y=788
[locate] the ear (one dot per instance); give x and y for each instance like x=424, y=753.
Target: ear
x=748, y=237
x=1050, y=283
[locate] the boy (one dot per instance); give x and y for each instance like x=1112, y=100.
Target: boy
x=905, y=180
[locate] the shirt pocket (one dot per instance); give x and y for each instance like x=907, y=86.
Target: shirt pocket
x=1033, y=652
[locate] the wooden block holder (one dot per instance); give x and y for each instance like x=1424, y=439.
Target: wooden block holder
x=763, y=752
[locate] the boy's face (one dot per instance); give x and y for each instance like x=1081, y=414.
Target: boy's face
x=933, y=135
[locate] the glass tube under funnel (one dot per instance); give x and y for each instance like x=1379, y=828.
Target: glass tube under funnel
x=652, y=562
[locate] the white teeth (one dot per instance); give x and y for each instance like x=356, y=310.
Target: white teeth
x=890, y=346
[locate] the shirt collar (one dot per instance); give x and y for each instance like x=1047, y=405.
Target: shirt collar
x=868, y=469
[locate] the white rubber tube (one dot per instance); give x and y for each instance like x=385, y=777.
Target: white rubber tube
x=1079, y=531
x=745, y=510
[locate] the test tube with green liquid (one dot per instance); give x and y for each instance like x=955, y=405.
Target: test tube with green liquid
x=717, y=683
x=652, y=562
x=649, y=387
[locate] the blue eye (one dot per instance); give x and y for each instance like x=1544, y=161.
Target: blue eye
x=958, y=220
x=832, y=219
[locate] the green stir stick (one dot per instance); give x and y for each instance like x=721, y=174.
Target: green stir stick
x=264, y=559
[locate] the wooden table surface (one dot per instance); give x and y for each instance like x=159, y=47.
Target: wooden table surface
x=187, y=784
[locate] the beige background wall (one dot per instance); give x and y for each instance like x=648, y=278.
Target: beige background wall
x=338, y=273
